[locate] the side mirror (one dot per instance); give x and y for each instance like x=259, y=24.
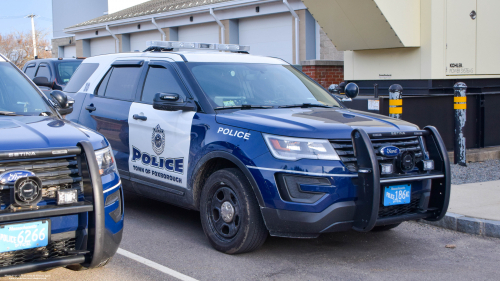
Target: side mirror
x=172, y=102
x=351, y=90
x=334, y=89
x=64, y=104
x=43, y=82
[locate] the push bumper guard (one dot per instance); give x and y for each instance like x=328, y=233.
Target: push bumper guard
x=369, y=180
x=92, y=251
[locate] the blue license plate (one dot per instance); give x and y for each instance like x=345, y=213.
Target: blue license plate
x=22, y=236
x=397, y=195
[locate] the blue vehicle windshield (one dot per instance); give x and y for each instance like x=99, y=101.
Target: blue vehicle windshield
x=18, y=96
x=237, y=84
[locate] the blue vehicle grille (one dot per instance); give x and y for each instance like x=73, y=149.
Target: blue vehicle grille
x=55, y=174
x=399, y=210
x=53, y=250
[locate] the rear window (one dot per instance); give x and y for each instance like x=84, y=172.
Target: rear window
x=81, y=75
x=64, y=70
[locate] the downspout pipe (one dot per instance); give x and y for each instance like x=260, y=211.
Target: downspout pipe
x=117, y=41
x=163, y=36
x=294, y=14
x=222, y=28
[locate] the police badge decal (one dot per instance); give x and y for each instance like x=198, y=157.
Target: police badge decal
x=158, y=140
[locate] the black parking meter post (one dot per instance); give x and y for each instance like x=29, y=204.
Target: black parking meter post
x=460, y=106
x=396, y=101
x=375, y=90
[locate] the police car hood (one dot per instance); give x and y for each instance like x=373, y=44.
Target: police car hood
x=328, y=123
x=35, y=132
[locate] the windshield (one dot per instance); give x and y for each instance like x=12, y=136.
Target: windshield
x=64, y=70
x=236, y=84
x=17, y=95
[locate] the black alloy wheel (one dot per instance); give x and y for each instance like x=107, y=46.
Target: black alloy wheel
x=230, y=214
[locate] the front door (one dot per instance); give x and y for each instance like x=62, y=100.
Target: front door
x=107, y=109
x=159, y=140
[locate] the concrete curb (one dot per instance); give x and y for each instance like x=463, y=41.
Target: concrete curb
x=461, y=223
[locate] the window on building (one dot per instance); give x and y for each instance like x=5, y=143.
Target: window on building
x=43, y=71
x=161, y=80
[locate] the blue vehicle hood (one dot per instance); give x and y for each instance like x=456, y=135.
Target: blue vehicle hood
x=35, y=132
x=326, y=123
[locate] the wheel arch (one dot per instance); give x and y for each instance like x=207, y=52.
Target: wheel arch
x=215, y=161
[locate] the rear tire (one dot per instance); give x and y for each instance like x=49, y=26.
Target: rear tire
x=230, y=213
x=385, y=227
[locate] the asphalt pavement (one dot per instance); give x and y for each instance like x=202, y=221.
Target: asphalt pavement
x=171, y=238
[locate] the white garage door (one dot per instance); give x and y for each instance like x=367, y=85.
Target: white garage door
x=268, y=35
x=100, y=46
x=70, y=51
x=207, y=33
x=138, y=39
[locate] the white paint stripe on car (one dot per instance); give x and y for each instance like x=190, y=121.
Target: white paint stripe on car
x=155, y=265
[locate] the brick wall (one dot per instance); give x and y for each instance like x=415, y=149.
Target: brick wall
x=325, y=74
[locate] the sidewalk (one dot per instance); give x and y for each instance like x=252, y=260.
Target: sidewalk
x=474, y=208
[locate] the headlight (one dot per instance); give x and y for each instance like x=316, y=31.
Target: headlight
x=106, y=161
x=287, y=148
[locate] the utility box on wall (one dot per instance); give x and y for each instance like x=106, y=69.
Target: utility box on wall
x=413, y=39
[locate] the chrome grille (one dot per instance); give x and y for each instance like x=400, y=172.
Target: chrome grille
x=344, y=149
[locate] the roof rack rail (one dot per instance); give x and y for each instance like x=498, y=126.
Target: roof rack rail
x=162, y=46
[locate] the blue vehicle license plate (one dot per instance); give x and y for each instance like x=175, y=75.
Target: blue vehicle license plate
x=397, y=195
x=22, y=236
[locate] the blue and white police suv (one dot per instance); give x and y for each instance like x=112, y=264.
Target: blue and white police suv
x=60, y=192
x=255, y=145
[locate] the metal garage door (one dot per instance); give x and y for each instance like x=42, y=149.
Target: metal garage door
x=268, y=35
x=138, y=39
x=207, y=32
x=69, y=51
x=103, y=45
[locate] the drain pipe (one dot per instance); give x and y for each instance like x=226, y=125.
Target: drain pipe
x=294, y=14
x=163, y=36
x=117, y=41
x=222, y=28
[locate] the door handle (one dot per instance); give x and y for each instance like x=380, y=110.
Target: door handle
x=90, y=108
x=140, y=117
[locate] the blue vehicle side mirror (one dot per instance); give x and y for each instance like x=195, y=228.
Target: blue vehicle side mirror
x=64, y=104
x=172, y=102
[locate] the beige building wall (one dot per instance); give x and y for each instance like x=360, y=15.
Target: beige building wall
x=327, y=49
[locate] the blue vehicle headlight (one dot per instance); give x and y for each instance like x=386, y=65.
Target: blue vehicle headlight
x=106, y=161
x=288, y=148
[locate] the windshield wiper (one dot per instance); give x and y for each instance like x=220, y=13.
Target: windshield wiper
x=244, y=106
x=305, y=105
x=8, y=113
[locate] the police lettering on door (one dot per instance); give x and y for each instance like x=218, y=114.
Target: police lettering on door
x=174, y=165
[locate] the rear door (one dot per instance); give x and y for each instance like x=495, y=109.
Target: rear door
x=159, y=140
x=106, y=110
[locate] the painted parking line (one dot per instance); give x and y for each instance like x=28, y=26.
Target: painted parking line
x=155, y=265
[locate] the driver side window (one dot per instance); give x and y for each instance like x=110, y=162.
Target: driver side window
x=161, y=80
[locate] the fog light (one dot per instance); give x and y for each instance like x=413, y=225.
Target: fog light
x=386, y=169
x=67, y=196
x=428, y=165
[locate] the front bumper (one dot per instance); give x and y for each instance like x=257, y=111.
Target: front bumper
x=89, y=246
x=430, y=198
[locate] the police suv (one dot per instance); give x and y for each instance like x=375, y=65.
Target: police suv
x=60, y=193
x=255, y=145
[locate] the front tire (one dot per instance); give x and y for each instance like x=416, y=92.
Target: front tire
x=230, y=213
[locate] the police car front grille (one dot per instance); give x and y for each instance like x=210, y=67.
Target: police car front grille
x=55, y=174
x=54, y=249
x=344, y=149
x=398, y=210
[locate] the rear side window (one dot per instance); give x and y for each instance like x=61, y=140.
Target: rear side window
x=120, y=83
x=160, y=80
x=43, y=71
x=30, y=71
x=81, y=75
